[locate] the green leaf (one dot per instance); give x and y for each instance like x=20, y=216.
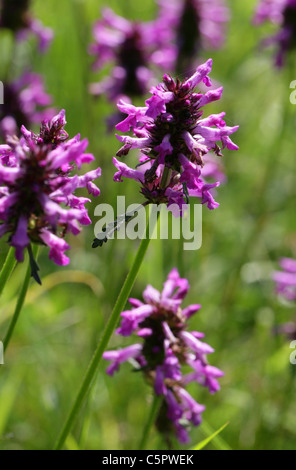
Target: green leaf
x=8, y=394
x=206, y=441
x=71, y=443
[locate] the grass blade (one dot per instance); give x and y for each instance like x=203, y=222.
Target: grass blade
x=206, y=441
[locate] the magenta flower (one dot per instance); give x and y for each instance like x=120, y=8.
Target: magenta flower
x=133, y=48
x=37, y=201
x=283, y=14
x=24, y=100
x=15, y=15
x=213, y=168
x=174, y=137
x=286, y=279
x=198, y=25
x=288, y=330
x=166, y=346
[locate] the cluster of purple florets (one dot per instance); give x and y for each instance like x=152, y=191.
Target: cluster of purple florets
x=174, y=137
x=15, y=15
x=37, y=201
x=286, y=278
x=161, y=323
x=283, y=14
x=25, y=103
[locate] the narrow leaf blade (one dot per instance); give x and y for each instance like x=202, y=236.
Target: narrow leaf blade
x=206, y=441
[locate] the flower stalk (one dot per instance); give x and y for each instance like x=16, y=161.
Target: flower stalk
x=21, y=298
x=151, y=420
x=110, y=327
x=8, y=267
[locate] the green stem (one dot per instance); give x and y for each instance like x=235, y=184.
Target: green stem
x=150, y=421
x=165, y=177
x=110, y=327
x=7, y=269
x=20, y=301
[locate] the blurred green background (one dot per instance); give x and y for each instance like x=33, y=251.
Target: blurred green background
x=230, y=275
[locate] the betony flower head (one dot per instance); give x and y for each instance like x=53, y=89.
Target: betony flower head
x=286, y=279
x=173, y=138
x=37, y=184
x=161, y=322
x=133, y=48
x=15, y=15
x=283, y=14
x=198, y=24
x=25, y=103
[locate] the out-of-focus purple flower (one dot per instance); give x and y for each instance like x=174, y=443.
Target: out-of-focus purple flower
x=213, y=169
x=15, y=15
x=173, y=138
x=133, y=48
x=198, y=25
x=287, y=329
x=162, y=323
x=37, y=200
x=286, y=279
x=24, y=100
x=283, y=14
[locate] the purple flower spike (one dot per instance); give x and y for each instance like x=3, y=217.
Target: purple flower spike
x=167, y=346
x=283, y=14
x=175, y=140
x=25, y=103
x=37, y=201
x=15, y=15
x=286, y=279
x=129, y=47
x=198, y=25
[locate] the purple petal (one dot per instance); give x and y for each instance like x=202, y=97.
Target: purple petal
x=20, y=239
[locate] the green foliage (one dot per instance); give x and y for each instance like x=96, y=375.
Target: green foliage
x=62, y=321
x=213, y=438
